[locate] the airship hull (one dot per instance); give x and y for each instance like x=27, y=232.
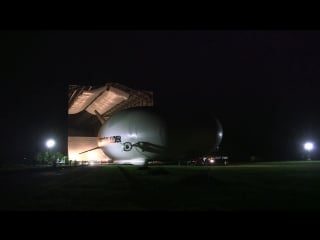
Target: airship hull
x=137, y=135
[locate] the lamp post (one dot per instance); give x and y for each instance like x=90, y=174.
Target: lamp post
x=308, y=146
x=50, y=144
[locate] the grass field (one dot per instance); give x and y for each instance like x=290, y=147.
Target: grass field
x=292, y=186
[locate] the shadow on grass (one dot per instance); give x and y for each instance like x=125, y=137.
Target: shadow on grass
x=154, y=171
x=200, y=180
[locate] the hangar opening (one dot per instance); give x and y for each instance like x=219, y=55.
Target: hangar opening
x=87, y=105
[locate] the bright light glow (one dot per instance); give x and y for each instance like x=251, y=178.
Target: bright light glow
x=133, y=135
x=220, y=134
x=92, y=156
x=74, y=156
x=135, y=161
x=211, y=161
x=308, y=146
x=50, y=143
x=103, y=142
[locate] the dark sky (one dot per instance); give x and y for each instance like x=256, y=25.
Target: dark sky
x=262, y=85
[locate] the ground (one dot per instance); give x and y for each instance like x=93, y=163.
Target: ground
x=255, y=186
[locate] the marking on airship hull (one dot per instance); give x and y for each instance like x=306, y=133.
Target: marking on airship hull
x=106, y=140
x=127, y=146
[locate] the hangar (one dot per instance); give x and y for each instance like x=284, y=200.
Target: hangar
x=86, y=104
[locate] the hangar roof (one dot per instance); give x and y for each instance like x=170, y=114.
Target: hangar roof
x=85, y=101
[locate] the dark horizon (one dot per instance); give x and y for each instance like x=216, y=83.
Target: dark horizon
x=262, y=85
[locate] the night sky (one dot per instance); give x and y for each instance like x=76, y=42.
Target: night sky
x=262, y=85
